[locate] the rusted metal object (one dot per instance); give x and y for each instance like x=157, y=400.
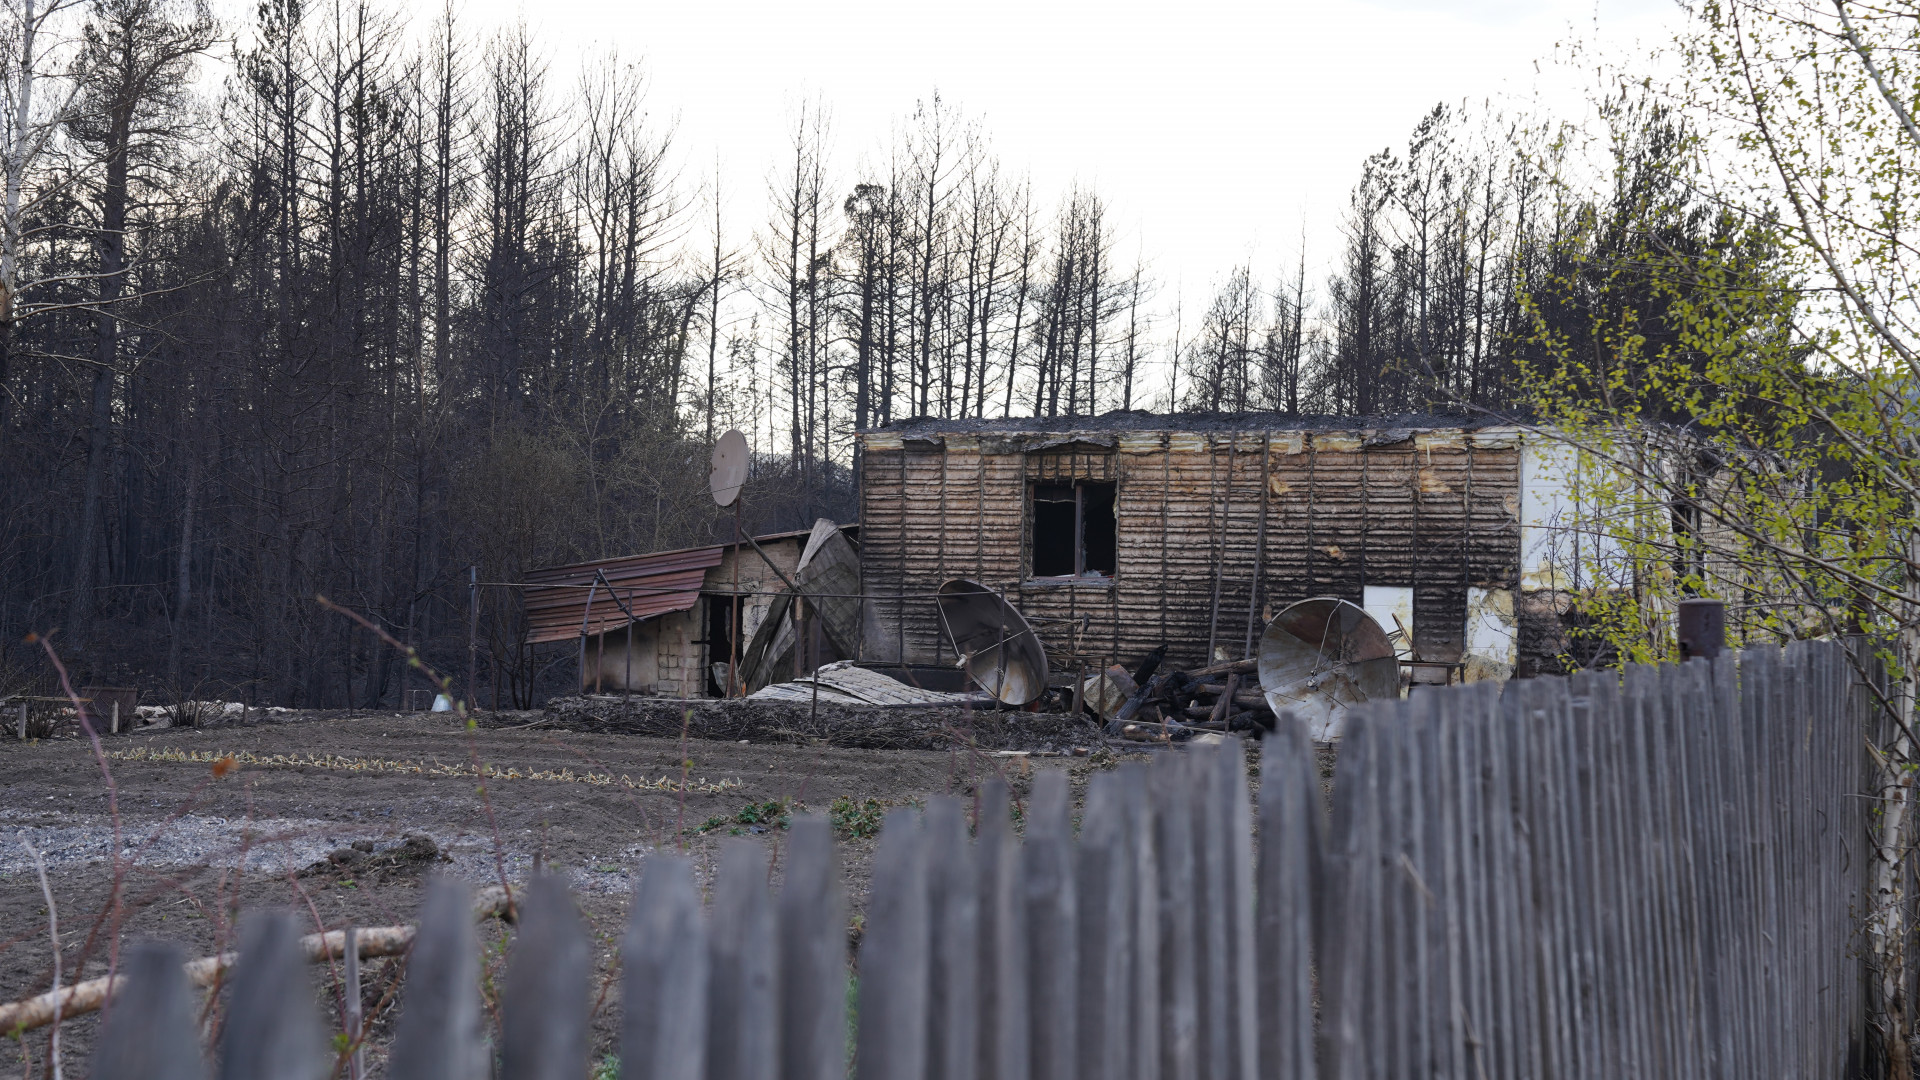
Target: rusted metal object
x=1322, y=656
x=996, y=645
x=557, y=597
x=1702, y=628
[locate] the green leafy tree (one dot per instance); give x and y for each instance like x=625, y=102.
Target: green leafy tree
x=1739, y=395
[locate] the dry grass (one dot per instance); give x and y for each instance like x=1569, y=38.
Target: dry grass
x=341, y=763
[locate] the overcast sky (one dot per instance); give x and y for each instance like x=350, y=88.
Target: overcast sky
x=1217, y=131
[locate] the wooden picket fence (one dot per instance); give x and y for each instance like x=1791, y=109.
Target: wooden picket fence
x=1659, y=875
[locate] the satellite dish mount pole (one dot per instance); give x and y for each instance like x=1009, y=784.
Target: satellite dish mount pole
x=734, y=622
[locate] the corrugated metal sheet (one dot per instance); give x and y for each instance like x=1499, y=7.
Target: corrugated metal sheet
x=647, y=584
x=1434, y=510
x=842, y=683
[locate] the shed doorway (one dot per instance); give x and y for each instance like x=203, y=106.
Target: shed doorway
x=722, y=630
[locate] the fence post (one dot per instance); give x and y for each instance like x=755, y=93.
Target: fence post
x=151, y=1034
x=271, y=1030
x=740, y=976
x=1701, y=626
x=439, y=1034
x=1173, y=844
x=1142, y=877
x=350, y=991
x=1350, y=884
x=812, y=917
x=663, y=977
x=543, y=1025
x=1047, y=865
x=1289, y=816
x=1103, y=888
x=953, y=910
x=894, y=959
x=473, y=638
x=1001, y=971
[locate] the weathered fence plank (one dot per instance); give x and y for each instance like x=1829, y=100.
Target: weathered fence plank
x=953, y=907
x=439, y=1034
x=1052, y=949
x=1002, y=973
x=1104, y=891
x=665, y=968
x=1172, y=809
x=543, y=1009
x=271, y=1030
x=1290, y=838
x=895, y=958
x=151, y=1032
x=812, y=921
x=741, y=1044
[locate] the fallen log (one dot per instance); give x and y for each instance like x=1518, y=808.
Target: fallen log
x=1224, y=705
x=86, y=997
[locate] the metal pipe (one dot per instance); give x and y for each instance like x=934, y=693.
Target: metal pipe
x=734, y=622
x=584, y=617
x=1702, y=628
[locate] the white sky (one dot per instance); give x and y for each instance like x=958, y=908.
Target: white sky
x=1217, y=131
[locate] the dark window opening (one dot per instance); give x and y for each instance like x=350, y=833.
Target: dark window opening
x=1073, y=529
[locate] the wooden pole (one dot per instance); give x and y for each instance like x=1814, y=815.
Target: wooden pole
x=1260, y=542
x=473, y=634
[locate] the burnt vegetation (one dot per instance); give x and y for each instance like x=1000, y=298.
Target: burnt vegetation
x=385, y=302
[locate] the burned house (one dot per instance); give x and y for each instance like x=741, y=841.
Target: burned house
x=675, y=623
x=1120, y=533
x=1111, y=536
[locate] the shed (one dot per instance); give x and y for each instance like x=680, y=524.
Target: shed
x=1119, y=533
x=659, y=623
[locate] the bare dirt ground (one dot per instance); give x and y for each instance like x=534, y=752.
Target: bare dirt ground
x=202, y=841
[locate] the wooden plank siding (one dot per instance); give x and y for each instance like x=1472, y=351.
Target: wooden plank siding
x=1257, y=517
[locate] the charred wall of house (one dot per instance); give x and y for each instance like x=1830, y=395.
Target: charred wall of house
x=1212, y=529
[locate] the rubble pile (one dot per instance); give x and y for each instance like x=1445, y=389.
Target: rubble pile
x=841, y=725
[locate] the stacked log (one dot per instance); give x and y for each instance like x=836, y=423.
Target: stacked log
x=1174, y=705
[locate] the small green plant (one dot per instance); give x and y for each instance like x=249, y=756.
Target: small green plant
x=773, y=814
x=607, y=1068
x=856, y=819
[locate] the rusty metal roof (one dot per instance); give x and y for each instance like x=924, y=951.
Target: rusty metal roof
x=654, y=584
x=649, y=585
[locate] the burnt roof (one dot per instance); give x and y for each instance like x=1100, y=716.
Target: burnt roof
x=1139, y=420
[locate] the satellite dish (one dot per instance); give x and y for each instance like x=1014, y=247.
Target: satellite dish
x=1322, y=656
x=729, y=467
x=1002, y=654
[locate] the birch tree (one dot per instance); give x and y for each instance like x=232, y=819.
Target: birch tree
x=1762, y=449
x=36, y=97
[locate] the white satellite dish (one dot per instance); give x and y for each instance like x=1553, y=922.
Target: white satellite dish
x=1321, y=657
x=729, y=467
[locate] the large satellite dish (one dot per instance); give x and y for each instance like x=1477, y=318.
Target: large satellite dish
x=1001, y=653
x=1321, y=657
x=729, y=467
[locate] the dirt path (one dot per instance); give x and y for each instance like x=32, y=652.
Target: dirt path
x=201, y=840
